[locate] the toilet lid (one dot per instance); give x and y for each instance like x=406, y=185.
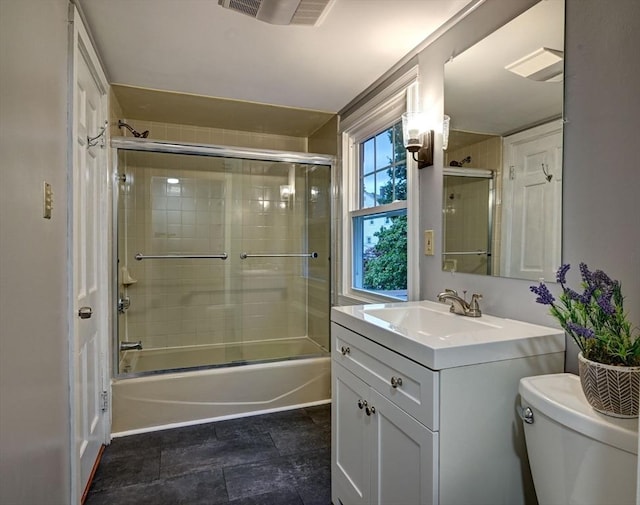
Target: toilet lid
x=560, y=397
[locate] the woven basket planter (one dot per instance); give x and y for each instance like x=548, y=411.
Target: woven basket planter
x=611, y=390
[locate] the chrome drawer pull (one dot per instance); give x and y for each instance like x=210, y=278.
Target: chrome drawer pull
x=345, y=350
x=396, y=381
x=370, y=410
x=362, y=404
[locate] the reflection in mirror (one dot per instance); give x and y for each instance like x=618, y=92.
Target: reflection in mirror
x=503, y=161
x=468, y=220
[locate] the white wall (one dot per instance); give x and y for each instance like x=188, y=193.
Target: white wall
x=601, y=162
x=34, y=398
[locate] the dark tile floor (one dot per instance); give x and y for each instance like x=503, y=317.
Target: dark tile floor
x=281, y=458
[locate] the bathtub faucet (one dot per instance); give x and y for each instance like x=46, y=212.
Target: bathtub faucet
x=128, y=346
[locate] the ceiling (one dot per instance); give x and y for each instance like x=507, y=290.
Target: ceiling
x=482, y=96
x=197, y=47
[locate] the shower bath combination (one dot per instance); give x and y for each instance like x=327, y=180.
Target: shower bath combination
x=228, y=278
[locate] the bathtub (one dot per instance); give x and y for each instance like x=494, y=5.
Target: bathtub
x=169, y=400
x=194, y=356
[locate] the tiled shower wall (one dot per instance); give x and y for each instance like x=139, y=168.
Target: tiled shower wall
x=230, y=206
x=466, y=224
x=486, y=155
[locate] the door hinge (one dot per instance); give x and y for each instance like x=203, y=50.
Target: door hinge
x=512, y=172
x=104, y=401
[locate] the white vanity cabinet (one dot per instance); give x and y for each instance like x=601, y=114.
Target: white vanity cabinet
x=408, y=431
x=381, y=454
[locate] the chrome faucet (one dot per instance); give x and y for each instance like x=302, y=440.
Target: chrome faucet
x=460, y=305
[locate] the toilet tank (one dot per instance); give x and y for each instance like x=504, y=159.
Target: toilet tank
x=577, y=455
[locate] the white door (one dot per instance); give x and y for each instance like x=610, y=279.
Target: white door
x=533, y=186
x=399, y=437
x=90, y=283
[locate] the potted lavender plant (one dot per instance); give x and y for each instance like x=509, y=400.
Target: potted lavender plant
x=609, y=358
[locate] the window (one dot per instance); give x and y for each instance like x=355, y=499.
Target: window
x=379, y=259
x=379, y=226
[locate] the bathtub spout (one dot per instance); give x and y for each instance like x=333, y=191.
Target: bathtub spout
x=128, y=346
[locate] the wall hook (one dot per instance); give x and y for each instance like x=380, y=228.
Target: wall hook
x=547, y=175
x=93, y=141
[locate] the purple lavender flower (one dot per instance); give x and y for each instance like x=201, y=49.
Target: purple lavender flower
x=581, y=331
x=601, y=279
x=594, y=316
x=572, y=295
x=587, y=276
x=561, y=273
x=585, y=298
x=604, y=302
x=544, y=295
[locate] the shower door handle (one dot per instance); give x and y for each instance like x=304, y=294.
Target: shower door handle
x=85, y=312
x=244, y=255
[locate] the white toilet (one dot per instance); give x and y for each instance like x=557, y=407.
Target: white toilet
x=577, y=455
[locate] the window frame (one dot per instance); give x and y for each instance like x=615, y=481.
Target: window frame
x=374, y=117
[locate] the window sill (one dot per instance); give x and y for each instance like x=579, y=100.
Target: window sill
x=364, y=297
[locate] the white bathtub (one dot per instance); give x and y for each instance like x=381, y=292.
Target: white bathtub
x=190, y=356
x=179, y=399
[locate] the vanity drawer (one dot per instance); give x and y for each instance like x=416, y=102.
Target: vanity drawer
x=416, y=387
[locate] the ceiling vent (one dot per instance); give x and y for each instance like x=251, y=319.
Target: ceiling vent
x=543, y=64
x=281, y=12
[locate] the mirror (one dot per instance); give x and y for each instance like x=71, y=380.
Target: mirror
x=503, y=159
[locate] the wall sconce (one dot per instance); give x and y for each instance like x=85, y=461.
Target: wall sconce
x=417, y=139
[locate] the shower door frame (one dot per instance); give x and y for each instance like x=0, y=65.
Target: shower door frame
x=476, y=173
x=216, y=151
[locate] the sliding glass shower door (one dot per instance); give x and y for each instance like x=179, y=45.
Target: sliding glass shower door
x=220, y=261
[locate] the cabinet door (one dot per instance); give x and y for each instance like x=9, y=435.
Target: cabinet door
x=404, y=456
x=350, y=448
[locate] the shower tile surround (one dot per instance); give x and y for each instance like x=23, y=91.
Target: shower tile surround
x=280, y=458
x=205, y=324
x=465, y=215
x=487, y=155
x=195, y=302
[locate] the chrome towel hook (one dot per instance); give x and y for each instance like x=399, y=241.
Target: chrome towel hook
x=93, y=141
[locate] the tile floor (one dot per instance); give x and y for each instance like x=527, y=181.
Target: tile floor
x=282, y=458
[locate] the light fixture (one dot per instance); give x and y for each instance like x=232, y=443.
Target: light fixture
x=417, y=139
x=286, y=191
x=544, y=64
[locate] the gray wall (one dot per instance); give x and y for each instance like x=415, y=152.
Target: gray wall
x=601, y=209
x=34, y=398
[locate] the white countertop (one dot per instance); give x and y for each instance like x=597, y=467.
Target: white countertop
x=429, y=334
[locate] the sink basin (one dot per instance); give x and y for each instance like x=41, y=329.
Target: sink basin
x=426, y=321
x=429, y=334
